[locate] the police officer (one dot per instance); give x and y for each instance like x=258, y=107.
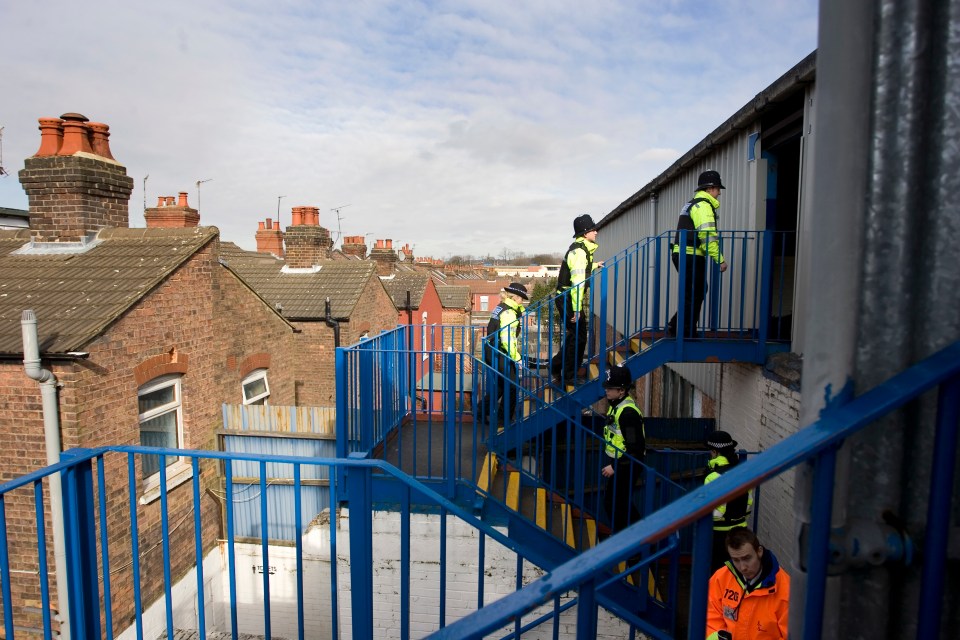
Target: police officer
x=576, y=268
x=733, y=515
x=699, y=218
x=623, y=433
x=501, y=351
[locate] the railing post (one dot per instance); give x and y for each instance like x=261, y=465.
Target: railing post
x=819, y=542
x=83, y=591
x=366, y=405
x=682, y=276
x=359, y=481
x=587, y=611
x=657, y=275
x=766, y=294
x=450, y=419
x=700, y=574
x=602, y=341
x=343, y=411
x=938, y=509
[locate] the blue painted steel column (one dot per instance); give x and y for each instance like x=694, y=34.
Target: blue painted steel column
x=83, y=591
x=361, y=549
x=450, y=419
x=819, y=542
x=587, y=611
x=700, y=574
x=766, y=294
x=343, y=435
x=655, y=308
x=938, y=509
x=365, y=387
x=602, y=330
x=682, y=276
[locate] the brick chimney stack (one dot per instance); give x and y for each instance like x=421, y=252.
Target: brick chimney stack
x=385, y=257
x=307, y=242
x=407, y=252
x=74, y=185
x=169, y=215
x=270, y=238
x=354, y=246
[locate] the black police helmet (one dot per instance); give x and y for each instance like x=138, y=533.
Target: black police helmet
x=709, y=179
x=618, y=378
x=720, y=440
x=583, y=224
x=517, y=289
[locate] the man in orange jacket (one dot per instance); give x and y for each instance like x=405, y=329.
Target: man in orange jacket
x=749, y=596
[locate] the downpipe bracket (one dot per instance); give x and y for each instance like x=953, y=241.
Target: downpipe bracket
x=863, y=544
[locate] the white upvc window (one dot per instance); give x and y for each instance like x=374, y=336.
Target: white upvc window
x=161, y=425
x=255, y=387
x=484, y=303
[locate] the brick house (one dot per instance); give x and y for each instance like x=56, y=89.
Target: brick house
x=299, y=287
x=147, y=333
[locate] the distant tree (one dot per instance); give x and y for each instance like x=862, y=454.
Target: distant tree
x=456, y=260
x=545, y=258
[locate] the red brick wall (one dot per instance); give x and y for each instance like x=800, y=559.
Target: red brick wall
x=207, y=317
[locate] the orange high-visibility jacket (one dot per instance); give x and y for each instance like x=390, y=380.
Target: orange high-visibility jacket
x=759, y=613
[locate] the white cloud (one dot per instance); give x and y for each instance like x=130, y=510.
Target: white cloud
x=463, y=127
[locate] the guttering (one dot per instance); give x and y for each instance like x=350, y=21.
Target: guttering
x=51, y=434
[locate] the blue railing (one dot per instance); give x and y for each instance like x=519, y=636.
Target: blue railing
x=130, y=564
x=634, y=295
x=817, y=444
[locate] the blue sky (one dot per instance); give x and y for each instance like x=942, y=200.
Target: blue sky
x=458, y=127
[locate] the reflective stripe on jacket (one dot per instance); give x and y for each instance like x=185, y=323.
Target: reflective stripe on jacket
x=703, y=215
x=615, y=443
x=759, y=612
x=734, y=513
x=503, y=330
x=576, y=268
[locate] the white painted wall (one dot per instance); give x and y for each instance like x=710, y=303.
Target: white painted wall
x=499, y=575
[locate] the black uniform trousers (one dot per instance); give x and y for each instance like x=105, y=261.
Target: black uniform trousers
x=567, y=361
x=619, y=499
x=496, y=399
x=694, y=291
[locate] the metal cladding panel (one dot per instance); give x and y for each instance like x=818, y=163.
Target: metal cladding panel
x=702, y=376
x=281, y=495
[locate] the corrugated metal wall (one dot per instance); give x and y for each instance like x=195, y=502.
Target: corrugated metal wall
x=742, y=207
x=287, y=431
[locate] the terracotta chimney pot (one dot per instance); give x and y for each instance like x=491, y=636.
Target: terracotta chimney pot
x=261, y=226
x=182, y=200
x=389, y=244
x=169, y=201
x=296, y=216
x=51, y=136
x=74, y=134
x=269, y=223
x=101, y=139
x=160, y=201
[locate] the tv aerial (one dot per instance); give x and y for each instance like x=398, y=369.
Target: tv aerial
x=339, y=218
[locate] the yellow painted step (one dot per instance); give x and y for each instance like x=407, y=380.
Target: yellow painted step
x=513, y=490
x=566, y=513
x=591, y=528
x=487, y=472
x=635, y=345
x=615, y=358
x=542, y=508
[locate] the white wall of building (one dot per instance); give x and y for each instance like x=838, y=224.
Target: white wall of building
x=499, y=574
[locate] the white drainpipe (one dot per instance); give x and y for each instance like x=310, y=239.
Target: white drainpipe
x=51, y=432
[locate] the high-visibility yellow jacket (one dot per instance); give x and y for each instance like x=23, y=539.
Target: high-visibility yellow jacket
x=634, y=441
x=734, y=513
x=703, y=216
x=577, y=266
x=749, y=612
x=503, y=330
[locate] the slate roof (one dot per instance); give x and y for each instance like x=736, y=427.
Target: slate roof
x=75, y=295
x=454, y=297
x=398, y=284
x=302, y=296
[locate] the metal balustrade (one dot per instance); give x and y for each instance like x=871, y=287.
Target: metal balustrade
x=816, y=444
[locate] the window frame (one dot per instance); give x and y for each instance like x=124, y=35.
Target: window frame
x=179, y=470
x=251, y=377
